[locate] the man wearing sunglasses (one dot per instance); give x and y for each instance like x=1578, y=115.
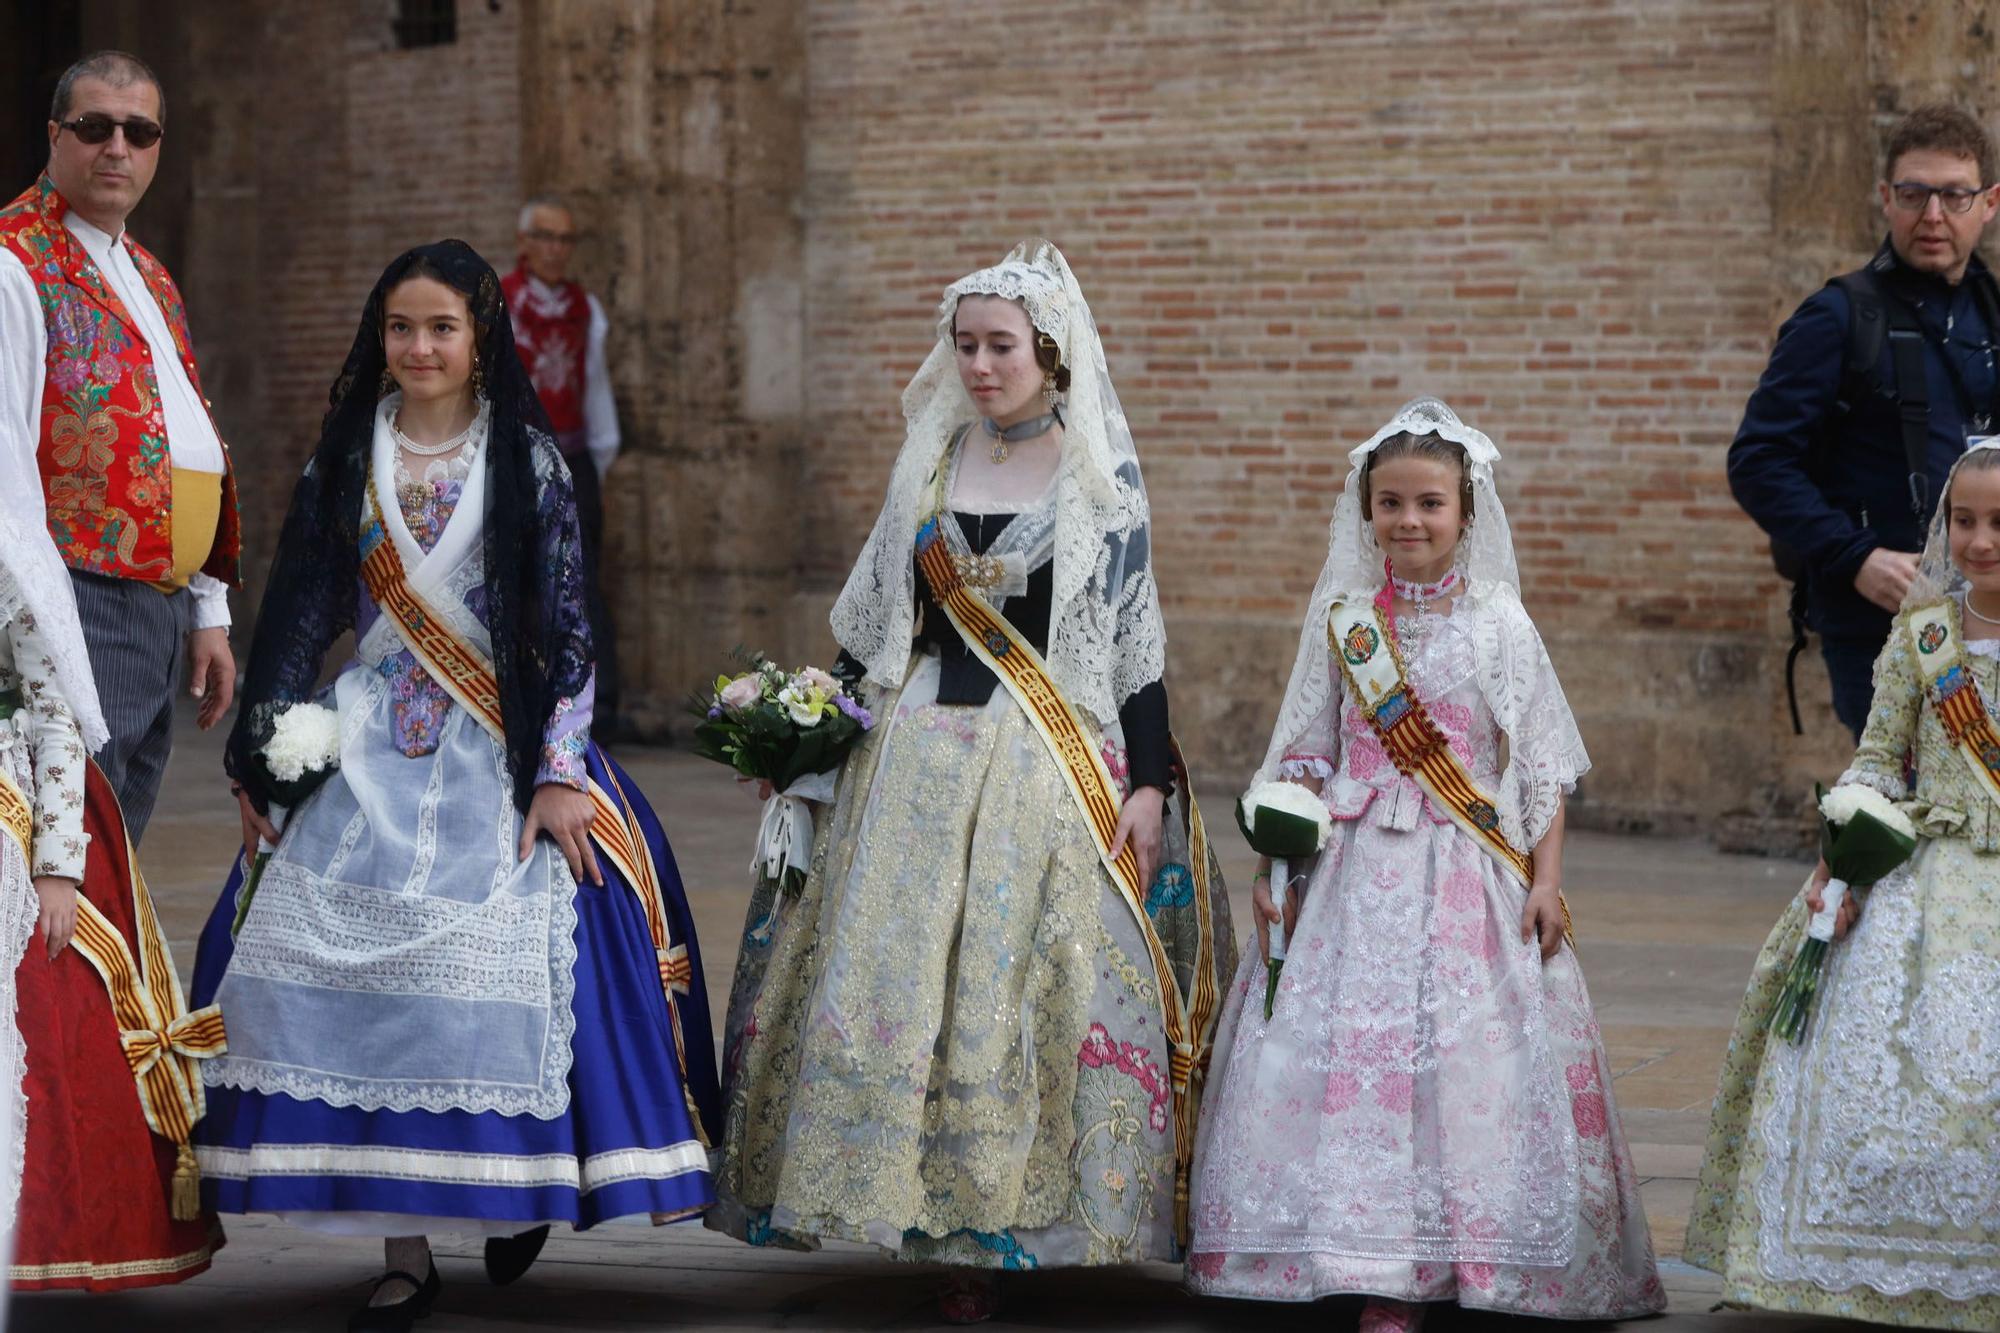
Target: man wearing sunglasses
x=98, y=387
x=1871, y=392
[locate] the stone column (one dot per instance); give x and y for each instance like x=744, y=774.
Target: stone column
x=676, y=132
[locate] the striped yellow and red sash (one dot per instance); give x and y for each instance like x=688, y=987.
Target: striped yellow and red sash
x=162, y=1039
x=468, y=676
x=1361, y=642
x=1953, y=693
x=1074, y=743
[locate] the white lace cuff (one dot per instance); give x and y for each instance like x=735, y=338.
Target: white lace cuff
x=1893, y=788
x=1307, y=766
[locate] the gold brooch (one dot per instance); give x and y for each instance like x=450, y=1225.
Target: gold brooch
x=979, y=571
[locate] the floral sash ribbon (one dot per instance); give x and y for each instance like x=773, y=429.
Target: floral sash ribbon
x=162, y=1039
x=1073, y=742
x=1361, y=642
x=1954, y=694
x=469, y=677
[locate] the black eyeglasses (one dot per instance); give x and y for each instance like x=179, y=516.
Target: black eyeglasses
x=1915, y=196
x=94, y=127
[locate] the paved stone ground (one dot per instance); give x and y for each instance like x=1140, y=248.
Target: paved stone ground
x=1667, y=931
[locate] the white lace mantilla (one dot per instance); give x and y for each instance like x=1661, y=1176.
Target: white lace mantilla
x=1107, y=639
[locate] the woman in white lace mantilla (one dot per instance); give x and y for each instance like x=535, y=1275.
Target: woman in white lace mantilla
x=951, y=1043
x=1857, y=1174
x=1427, y=1114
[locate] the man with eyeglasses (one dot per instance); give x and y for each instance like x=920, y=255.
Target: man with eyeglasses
x=559, y=330
x=100, y=402
x=1873, y=388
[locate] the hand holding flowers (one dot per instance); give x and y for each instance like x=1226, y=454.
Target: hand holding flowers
x=1285, y=822
x=1862, y=838
x=791, y=730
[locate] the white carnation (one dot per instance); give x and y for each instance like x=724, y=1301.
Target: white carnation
x=305, y=738
x=1843, y=803
x=1291, y=799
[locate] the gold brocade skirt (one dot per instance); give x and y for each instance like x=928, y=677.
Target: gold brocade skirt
x=949, y=1043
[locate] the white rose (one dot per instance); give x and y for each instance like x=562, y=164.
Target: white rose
x=1843, y=803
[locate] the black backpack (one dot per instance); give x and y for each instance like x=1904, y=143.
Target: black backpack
x=1875, y=314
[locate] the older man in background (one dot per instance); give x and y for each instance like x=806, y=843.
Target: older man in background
x=98, y=384
x=560, y=330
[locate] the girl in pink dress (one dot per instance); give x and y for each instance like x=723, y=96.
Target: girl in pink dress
x=1427, y=1113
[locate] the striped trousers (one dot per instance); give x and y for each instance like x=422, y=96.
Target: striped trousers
x=137, y=638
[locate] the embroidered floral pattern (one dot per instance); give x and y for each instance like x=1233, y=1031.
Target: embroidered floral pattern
x=1432, y=1125
x=41, y=750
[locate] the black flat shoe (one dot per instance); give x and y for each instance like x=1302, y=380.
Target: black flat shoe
x=507, y=1257
x=397, y=1317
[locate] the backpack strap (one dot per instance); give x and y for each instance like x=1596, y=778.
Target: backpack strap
x=1875, y=316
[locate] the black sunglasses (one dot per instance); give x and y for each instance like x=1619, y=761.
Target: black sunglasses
x=95, y=127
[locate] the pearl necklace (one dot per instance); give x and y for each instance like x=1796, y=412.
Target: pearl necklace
x=429, y=450
x=1975, y=610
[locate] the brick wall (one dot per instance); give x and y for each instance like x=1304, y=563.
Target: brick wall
x=1291, y=217
x=1580, y=221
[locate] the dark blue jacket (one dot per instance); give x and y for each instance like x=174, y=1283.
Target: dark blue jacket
x=1818, y=460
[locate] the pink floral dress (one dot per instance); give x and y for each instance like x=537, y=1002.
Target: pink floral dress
x=1428, y=1113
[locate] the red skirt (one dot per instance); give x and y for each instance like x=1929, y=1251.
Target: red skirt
x=95, y=1211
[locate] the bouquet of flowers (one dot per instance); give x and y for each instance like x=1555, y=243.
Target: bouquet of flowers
x=1285, y=822
x=1862, y=837
x=792, y=730
x=303, y=752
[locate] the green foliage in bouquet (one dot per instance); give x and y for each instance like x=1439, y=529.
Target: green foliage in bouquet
x=1279, y=833
x=778, y=727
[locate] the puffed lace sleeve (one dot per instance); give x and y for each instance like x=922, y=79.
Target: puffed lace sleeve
x=1314, y=751
x=1545, y=754
x=1891, y=730
x=49, y=729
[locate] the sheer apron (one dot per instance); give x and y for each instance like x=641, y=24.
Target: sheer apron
x=394, y=912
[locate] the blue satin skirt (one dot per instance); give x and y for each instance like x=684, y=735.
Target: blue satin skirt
x=631, y=1141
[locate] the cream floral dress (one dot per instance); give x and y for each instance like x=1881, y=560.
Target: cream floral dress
x=1858, y=1174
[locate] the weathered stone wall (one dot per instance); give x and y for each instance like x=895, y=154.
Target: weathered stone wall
x=319, y=152
x=1581, y=221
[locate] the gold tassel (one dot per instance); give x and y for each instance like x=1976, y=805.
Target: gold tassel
x=187, y=1186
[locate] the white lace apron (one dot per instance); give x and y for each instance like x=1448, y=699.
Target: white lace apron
x=397, y=955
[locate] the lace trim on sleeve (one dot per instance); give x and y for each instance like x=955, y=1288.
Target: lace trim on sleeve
x=1545, y=753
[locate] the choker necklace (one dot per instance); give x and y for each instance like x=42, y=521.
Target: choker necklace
x=1003, y=436
x=430, y=450
x=1420, y=596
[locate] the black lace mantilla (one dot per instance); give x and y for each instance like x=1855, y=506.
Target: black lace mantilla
x=533, y=551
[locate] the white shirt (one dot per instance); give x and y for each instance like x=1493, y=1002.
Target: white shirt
x=600, y=411
x=191, y=439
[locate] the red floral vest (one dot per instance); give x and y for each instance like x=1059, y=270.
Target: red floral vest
x=103, y=435
x=552, y=339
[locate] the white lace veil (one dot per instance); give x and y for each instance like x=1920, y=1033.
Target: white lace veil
x=1937, y=576
x=1545, y=751
x=33, y=576
x=1106, y=637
